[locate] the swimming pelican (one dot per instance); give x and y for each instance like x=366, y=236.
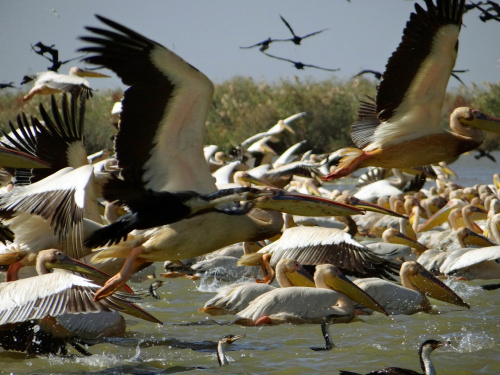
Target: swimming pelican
x=174, y=125
x=410, y=298
x=424, y=353
x=47, y=83
x=233, y=298
x=46, y=297
x=401, y=128
x=334, y=294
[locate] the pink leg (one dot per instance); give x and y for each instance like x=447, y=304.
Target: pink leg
x=118, y=281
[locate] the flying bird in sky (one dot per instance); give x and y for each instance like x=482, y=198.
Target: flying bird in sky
x=300, y=65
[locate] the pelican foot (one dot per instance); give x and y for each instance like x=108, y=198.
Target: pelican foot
x=114, y=284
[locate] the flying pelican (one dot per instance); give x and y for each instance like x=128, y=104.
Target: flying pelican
x=47, y=83
x=334, y=294
x=276, y=131
x=409, y=298
x=317, y=245
x=49, y=296
x=401, y=128
x=424, y=353
x=233, y=298
x=174, y=125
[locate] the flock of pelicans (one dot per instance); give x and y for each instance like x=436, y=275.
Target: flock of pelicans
x=168, y=198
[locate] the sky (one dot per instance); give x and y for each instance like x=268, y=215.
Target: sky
x=361, y=34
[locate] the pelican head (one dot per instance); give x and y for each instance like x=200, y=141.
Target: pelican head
x=329, y=276
x=297, y=275
x=476, y=119
x=392, y=235
x=76, y=71
x=428, y=284
x=53, y=258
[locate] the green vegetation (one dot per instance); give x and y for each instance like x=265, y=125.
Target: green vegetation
x=243, y=107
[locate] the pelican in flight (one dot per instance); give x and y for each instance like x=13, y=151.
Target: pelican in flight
x=410, y=298
x=424, y=353
x=47, y=83
x=178, y=97
x=401, y=128
x=46, y=297
x=334, y=294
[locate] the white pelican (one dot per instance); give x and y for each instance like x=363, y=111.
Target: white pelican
x=409, y=298
x=334, y=294
x=402, y=128
x=233, y=298
x=317, y=245
x=424, y=353
x=51, y=295
x=275, y=132
x=179, y=97
x=49, y=213
x=47, y=83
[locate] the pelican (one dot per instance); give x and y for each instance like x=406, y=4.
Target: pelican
x=222, y=345
x=334, y=294
x=424, y=354
x=317, y=245
x=409, y=298
x=233, y=298
x=274, y=132
x=401, y=128
x=47, y=83
x=179, y=98
x=46, y=297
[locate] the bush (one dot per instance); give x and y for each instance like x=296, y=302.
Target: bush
x=243, y=107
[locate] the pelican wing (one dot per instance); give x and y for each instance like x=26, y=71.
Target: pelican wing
x=55, y=294
x=59, y=141
x=475, y=256
x=59, y=199
x=411, y=93
x=161, y=133
x=317, y=245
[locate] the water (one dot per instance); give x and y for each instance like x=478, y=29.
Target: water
x=186, y=342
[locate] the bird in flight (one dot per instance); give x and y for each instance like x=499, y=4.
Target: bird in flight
x=297, y=39
x=5, y=85
x=265, y=44
x=300, y=65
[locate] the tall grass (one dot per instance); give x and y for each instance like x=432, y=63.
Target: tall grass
x=243, y=107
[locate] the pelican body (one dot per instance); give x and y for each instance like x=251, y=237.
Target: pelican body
x=308, y=305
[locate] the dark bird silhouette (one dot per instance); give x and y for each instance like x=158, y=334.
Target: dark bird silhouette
x=41, y=49
x=5, y=85
x=486, y=14
x=482, y=153
x=264, y=45
x=297, y=39
x=377, y=75
x=300, y=65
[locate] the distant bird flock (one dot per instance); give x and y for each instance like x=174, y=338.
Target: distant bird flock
x=163, y=195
